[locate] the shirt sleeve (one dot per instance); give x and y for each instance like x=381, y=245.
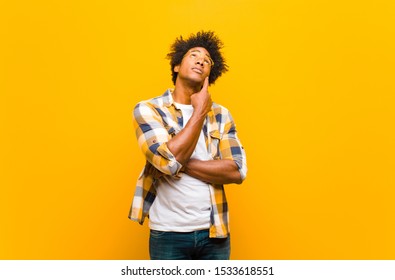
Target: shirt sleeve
x=152, y=137
x=231, y=148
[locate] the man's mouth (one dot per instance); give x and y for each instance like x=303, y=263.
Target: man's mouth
x=197, y=70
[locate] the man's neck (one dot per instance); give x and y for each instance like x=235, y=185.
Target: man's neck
x=182, y=92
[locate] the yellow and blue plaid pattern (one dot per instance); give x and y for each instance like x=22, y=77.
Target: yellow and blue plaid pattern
x=156, y=121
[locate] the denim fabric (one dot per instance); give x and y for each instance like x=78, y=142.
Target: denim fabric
x=194, y=245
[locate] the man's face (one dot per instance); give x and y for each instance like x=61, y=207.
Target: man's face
x=195, y=66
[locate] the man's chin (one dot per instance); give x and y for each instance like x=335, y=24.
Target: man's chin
x=196, y=83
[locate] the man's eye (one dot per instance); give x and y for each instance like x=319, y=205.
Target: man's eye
x=193, y=55
x=207, y=62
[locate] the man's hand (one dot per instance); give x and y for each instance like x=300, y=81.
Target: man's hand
x=201, y=101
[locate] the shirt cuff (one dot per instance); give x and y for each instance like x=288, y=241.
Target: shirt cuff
x=174, y=167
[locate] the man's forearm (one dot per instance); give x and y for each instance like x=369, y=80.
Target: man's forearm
x=223, y=171
x=183, y=144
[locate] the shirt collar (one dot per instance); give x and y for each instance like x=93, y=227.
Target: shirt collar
x=168, y=97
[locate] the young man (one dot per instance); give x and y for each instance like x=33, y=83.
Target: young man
x=191, y=149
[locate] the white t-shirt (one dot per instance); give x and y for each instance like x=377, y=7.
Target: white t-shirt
x=182, y=205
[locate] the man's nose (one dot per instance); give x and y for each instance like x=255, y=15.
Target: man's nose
x=200, y=61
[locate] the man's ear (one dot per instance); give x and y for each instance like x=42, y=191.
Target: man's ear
x=176, y=68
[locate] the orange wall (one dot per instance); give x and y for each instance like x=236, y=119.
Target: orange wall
x=311, y=87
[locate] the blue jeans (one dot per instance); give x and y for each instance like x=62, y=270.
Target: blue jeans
x=194, y=245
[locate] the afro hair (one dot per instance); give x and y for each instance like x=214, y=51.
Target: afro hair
x=204, y=39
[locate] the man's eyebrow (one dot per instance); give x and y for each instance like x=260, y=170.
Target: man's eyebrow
x=206, y=54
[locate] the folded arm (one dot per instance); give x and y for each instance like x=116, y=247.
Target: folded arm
x=183, y=144
x=223, y=171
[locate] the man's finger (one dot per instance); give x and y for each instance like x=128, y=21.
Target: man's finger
x=205, y=84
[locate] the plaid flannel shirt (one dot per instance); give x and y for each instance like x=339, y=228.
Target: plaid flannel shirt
x=156, y=121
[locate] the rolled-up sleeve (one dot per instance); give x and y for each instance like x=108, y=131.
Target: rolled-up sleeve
x=231, y=147
x=152, y=137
